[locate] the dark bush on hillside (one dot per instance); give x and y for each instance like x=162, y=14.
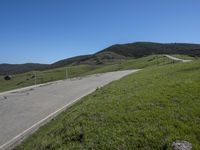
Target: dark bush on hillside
x=7, y=78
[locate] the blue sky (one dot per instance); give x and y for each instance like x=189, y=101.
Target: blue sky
x=44, y=31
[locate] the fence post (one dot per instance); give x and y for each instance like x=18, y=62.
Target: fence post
x=35, y=74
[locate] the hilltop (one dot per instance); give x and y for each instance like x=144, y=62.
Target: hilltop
x=140, y=49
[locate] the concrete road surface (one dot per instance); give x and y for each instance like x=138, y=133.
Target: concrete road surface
x=23, y=111
x=177, y=59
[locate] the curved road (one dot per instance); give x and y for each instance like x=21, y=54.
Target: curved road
x=177, y=59
x=22, y=111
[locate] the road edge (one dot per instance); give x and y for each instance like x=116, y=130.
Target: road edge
x=23, y=135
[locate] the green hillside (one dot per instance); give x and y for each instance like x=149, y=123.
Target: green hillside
x=8, y=69
x=27, y=79
x=146, y=110
x=112, y=54
x=140, y=49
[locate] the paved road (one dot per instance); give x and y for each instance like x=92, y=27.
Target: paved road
x=177, y=59
x=23, y=111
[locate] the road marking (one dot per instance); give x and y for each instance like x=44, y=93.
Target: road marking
x=17, y=139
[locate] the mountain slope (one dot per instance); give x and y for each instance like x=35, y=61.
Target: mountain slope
x=112, y=54
x=140, y=49
x=69, y=61
x=20, y=68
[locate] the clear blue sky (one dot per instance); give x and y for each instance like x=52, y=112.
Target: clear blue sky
x=44, y=31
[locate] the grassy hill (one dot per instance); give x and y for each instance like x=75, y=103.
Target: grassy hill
x=27, y=79
x=8, y=69
x=113, y=54
x=96, y=59
x=70, y=61
x=146, y=110
x=140, y=49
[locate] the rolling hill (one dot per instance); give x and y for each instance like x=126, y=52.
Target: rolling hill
x=20, y=68
x=140, y=49
x=112, y=54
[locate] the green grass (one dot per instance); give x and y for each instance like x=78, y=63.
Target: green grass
x=140, y=63
x=25, y=79
x=147, y=110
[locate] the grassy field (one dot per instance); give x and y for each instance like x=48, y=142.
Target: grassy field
x=147, y=110
x=27, y=79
